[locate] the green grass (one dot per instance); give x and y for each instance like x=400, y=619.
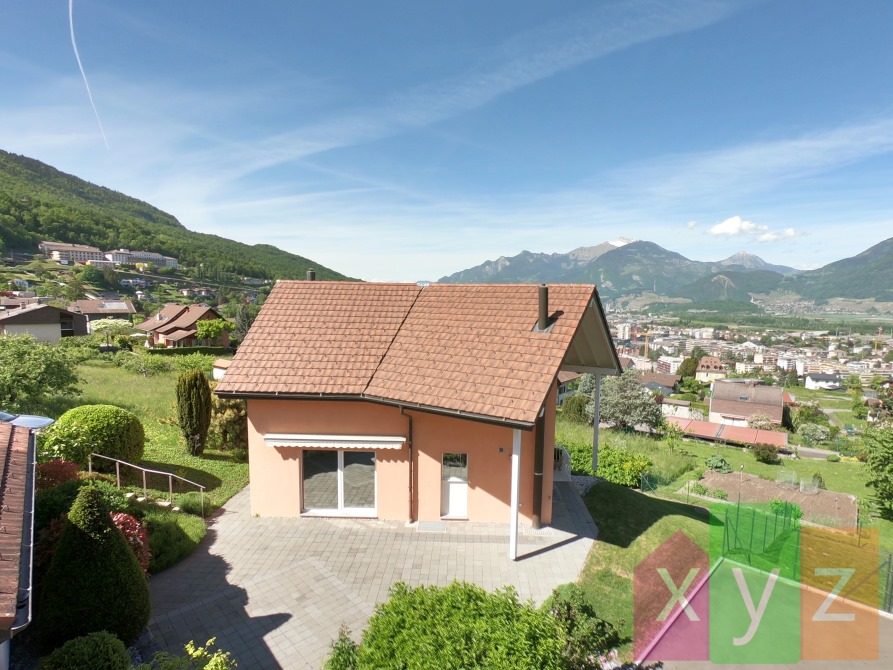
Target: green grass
x=153, y=400
x=631, y=525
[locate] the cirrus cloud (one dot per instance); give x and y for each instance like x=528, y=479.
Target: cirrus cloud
x=736, y=226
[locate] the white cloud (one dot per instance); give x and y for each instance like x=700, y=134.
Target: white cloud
x=736, y=226
x=691, y=225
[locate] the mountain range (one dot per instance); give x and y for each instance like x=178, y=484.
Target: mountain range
x=39, y=202
x=625, y=267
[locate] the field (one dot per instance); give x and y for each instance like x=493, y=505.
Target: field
x=153, y=400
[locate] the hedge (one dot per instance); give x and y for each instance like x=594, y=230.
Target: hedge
x=184, y=351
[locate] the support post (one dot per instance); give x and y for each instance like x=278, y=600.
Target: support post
x=596, y=419
x=515, y=494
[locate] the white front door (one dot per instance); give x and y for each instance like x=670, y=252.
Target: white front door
x=454, y=486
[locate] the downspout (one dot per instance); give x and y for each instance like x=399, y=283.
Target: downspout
x=538, y=460
x=409, y=446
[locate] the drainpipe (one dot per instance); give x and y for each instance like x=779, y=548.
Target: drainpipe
x=409, y=446
x=538, y=460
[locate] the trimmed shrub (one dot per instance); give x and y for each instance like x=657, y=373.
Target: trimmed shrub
x=191, y=503
x=719, y=494
x=59, y=499
x=194, y=410
x=460, y=626
x=137, y=537
x=97, y=651
x=619, y=466
x=586, y=635
x=832, y=458
x=103, y=429
x=718, y=464
x=574, y=408
x=766, y=453
x=94, y=581
x=55, y=472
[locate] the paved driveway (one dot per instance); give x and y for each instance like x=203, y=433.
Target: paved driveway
x=275, y=591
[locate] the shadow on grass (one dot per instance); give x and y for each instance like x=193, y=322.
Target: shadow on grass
x=132, y=477
x=623, y=515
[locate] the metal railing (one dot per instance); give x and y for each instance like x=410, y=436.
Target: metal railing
x=170, y=477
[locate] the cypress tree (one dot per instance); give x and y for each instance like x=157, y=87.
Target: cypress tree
x=94, y=581
x=194, y=409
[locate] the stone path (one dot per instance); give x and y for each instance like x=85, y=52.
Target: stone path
x=275, y=591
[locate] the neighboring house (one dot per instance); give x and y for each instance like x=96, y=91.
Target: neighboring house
x=103, y=309
x=221, y=365
x=679, y=408
x=668, y=381
x=564, y=384
x=45, y=322
x=733, y=402
x=710, y=368
x=77, y=253
x=828, y=382
x=411, y=403
x=175, y=326
x=18, y=453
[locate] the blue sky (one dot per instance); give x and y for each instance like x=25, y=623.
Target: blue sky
x=409, y=140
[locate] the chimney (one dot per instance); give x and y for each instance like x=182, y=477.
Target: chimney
x=543, y=321
x=311, y=275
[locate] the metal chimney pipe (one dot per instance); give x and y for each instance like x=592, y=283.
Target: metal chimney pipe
x=311, y=275
x=543, y=321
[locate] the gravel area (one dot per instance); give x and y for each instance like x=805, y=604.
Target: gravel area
x=585, y=482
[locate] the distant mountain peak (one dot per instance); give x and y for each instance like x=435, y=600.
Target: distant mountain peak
x=621, y=241
x=749, y=261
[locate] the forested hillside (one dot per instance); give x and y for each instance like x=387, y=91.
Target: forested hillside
x=38, y=202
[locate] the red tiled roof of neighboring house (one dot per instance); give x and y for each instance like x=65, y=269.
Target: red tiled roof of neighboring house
x=787, y=398
x=745, y=399
x=169, y=312
x=710, y=363
x=739, y=434
x=173, y=317
x=464, y=348
x=177, y=335
x=703, y=428
x=565, y=376
x=15, y=466
x=662, y=378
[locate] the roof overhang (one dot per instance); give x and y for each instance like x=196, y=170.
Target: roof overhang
x=591, y=350
x=309, y=441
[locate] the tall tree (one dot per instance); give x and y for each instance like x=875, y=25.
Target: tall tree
x=626, y=403
x=194, y=409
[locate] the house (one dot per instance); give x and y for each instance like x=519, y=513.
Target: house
x=45, y=322
x=828, y=382
x=668, y=382
x=565, y=378
x=77, y=253
x=221, y=365
x=102, y=309
x=412, y=403
x=733, y=402
x=175, y=326
x=17, y=481
x=710, y=368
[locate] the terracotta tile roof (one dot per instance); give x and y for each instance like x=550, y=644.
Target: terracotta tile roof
x=457, y=347
x=188, y=318
x=168, y=313
x=102, y=307
x=710, y=363
x=739, y=434
x=15, y=467
x=566, y=376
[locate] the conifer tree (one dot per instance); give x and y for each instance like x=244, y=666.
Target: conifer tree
x=194, y=409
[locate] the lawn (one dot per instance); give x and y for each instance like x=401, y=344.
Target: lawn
x=153, y=400
x=630, y=526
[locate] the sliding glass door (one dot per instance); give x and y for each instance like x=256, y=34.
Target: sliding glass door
x=339, y=482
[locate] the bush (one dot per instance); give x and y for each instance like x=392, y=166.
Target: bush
x=780, y=507
x=197, y=658
x=813, y=433
x=229, y=422
x=766, y=453
x=58, y=500
x=586, y=635
x=103, y=429
x=194, y=361
x=574, y=408
x=621, y=466
x=194, y=410
x=817, y=480
x=97, y=651
x=344, y=652
x=111, y=591
x=718, y=464
x=191, y=503
x=186, y=351
x=719, y=494
x=143, y=364
x=55, y=472
x=136, y=537
x=832, y=458
x=699, y=489
x=459, y=626
x=581, y=457
x=172, y=536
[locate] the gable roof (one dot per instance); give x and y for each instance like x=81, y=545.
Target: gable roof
x=174, y=317
x=710, y=363
x=102, y=307
x=461, y=348
x=36, y=314
x=746, y=399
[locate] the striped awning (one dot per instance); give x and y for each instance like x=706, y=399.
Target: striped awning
x=304, y=441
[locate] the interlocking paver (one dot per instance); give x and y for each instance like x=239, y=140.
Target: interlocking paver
x=275, y=591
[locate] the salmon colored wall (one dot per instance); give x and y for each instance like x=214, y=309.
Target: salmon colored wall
x=276, y=471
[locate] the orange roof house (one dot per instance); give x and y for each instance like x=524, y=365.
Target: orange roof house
x=710, y=368
x=175, y=326
x=733, y=402
x=404, y=402
x=17, y=465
